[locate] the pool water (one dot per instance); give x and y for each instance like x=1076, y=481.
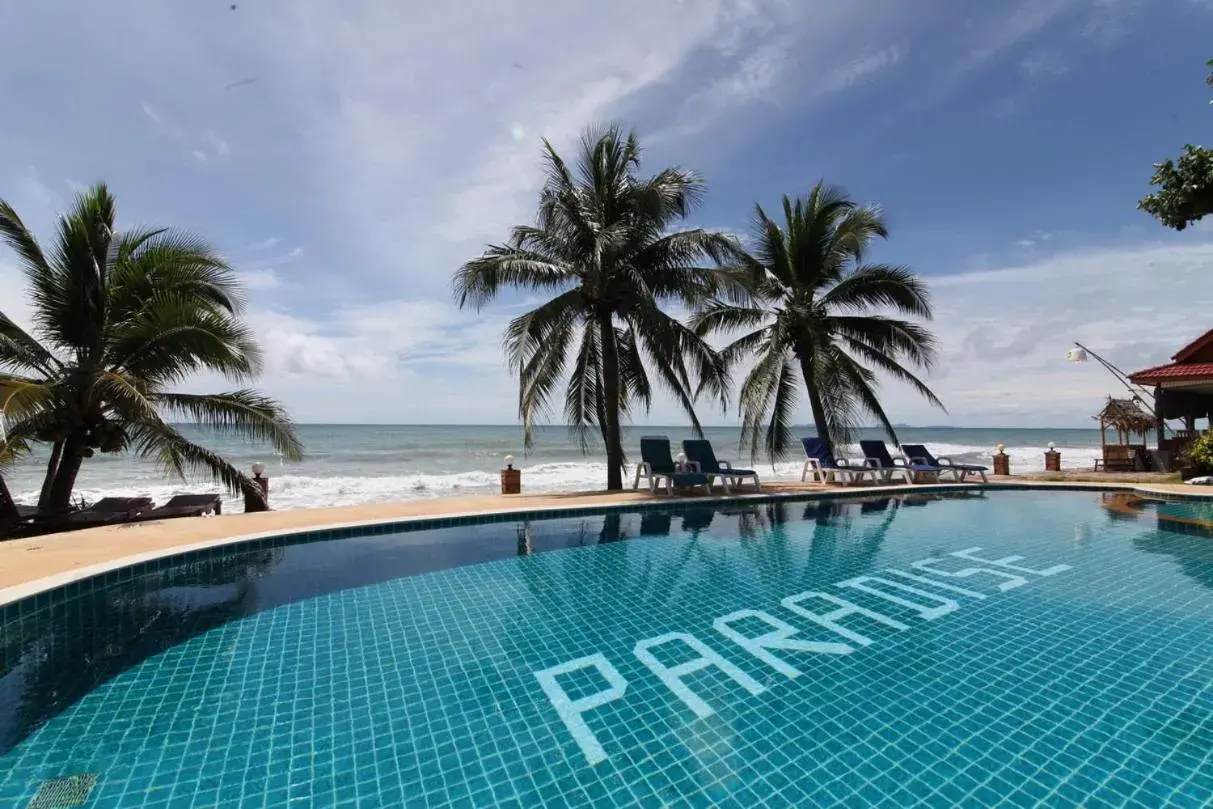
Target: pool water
x=1011, y=648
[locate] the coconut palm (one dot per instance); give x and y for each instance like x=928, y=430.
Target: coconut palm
x=603, y=247
x=119, y=317
x=820, y=317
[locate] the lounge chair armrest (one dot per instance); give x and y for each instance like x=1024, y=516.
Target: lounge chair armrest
x=945, y=461
x=726, y=465
x=872, y=462
x=688, y=466
x=841, y=461
x=644, y=468
x=899, y=460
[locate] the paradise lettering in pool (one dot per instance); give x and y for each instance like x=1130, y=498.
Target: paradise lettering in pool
x=890, y=585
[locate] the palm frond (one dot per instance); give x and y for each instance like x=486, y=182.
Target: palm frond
x=877, y=286
x=244, y=413
x=21, y=352
x=896, y=338
x=478, y=281
x=161, y=261
x=584, y=395
x=178, y=456
x=886, y=363
x=719, y=316
x=535, y=345
x=172, y=336
x=632, y=376
x=783, y=408
x=757, y=392
x=861, y=385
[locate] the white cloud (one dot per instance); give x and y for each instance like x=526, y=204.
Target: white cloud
x=1110, y=20
x=260, y=280
x=1004, y=333
x=1042, y=64
x=389, y=142
x=863, y=69
x=1003, y=336
x=1035, y=239
x=203, y=149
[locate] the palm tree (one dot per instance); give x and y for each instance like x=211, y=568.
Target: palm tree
x=820, y=316
x=602, y=245
x=120, y=317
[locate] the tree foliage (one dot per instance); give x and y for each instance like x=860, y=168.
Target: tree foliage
x=819, y=318
x=604, y=248
x=1185, y=185
x=118, y=319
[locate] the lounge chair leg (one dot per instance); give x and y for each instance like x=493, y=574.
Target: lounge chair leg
x=636, y=480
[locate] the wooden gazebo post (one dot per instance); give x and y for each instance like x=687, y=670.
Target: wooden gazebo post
x=1103, y=436
x=1159, y=424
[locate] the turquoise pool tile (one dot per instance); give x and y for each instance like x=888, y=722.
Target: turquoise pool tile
x=418, y=688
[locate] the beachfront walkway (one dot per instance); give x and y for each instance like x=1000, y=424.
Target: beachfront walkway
x=39, y=563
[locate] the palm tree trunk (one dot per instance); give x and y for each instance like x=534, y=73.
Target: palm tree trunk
x=610, y=392
x=52, y=467
x=815, y=404
x=59, y=498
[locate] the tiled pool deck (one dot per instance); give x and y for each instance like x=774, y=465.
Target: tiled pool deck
x=37, y=564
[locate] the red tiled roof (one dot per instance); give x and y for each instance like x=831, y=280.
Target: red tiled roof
x=1191, y=348
x=1174, y=370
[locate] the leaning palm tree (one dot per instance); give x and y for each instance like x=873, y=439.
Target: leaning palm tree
x=119, y=317
x=821, y=317
x=602, y=245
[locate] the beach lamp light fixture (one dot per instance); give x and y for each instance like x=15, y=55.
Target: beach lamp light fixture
x=1002, y=462
x=1077, y=354
x=258, y=469
x=511, y=478
x=1052, y=446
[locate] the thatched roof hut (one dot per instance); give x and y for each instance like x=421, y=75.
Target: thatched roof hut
x=1125, y=416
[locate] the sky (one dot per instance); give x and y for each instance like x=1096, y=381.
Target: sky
x=347, y=157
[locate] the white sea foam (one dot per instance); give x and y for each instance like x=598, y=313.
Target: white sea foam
x=289, y=491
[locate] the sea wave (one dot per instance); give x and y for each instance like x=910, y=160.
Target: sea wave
x=289, y=491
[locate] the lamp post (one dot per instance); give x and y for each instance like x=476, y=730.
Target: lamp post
x=1080, y=354
x=1052, y=458
x=511, y=478
x=257, y=498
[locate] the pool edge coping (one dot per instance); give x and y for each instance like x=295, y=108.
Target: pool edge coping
x=19, y=592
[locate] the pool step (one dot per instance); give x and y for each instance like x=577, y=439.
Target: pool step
x=64, y=792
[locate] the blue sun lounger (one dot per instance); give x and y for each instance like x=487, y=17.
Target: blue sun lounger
x=876, y=456
x=918, y=453
x=657, y=465
x=699, y=452
x=823, y=466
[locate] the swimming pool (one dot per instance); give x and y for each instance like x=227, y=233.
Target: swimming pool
x=1008, y=647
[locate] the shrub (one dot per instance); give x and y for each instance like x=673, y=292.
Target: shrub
x=1200, y=452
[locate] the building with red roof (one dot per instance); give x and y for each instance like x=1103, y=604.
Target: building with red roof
x=1183, y=389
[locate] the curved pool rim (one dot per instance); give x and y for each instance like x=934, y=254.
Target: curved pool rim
x=40, y=592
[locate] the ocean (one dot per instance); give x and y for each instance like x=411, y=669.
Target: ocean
x=349, y=464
